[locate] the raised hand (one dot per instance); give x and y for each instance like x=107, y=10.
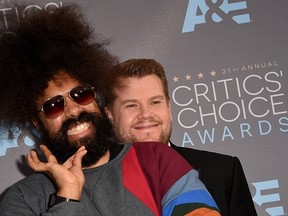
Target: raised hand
x=68, y=177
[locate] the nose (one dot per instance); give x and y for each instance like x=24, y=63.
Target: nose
x=71, y=109
x=145, y=111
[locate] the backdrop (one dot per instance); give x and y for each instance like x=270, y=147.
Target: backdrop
x=226, y=61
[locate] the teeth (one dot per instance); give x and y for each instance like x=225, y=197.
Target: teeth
x=79, y=128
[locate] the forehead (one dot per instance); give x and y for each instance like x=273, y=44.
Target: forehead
x=140, y=86
x=61, y=79
x=59, y=84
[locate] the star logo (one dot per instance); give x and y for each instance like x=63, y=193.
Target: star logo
x=188, y=77
x=175, y=79
x=213, y=73
x=200, y=75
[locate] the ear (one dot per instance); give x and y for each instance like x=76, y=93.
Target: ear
x=109, y=114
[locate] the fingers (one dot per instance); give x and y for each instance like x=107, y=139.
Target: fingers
x=37, y=165
x=34, y=162
x=77, y=159
x=48, y=154
x=33, y=157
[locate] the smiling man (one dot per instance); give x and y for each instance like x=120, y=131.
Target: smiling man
x=138, y=105
x=50, y=75
x=141, y=111
x=67, y=129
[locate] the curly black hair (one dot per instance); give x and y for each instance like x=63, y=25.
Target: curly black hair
x=32, y=53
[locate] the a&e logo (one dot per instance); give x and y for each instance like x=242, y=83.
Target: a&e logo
x=266, y=195
x=205, y=11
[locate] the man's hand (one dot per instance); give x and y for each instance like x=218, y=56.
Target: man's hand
x=68, y=177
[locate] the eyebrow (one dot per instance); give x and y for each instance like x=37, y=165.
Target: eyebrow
x=161, y=97
x=128, y=101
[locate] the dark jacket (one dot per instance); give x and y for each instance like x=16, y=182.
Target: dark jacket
x=224, y=177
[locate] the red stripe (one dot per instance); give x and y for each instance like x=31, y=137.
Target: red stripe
x=135, y=181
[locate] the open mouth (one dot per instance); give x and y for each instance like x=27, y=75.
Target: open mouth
x=78, y=128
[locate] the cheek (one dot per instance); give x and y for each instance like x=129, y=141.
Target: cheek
x=125, y=121
x=165, y=116
x=52, y=125
x=93, y=107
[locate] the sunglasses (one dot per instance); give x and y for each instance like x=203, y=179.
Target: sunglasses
x=54, y=107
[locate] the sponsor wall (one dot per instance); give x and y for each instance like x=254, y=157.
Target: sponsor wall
x=226, y=62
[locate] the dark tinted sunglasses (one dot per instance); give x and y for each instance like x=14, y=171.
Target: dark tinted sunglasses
x=54, y=107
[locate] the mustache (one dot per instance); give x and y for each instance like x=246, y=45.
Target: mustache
x=150, y=121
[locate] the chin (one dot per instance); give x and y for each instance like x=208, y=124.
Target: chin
x=149, y=139
x=78, y=140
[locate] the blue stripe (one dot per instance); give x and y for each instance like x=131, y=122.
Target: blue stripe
x=187, y=189
x=190, y=181
x=196, y=196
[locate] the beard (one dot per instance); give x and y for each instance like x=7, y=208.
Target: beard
x=96, y=145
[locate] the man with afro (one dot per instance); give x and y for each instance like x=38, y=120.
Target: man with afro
x=51, y=68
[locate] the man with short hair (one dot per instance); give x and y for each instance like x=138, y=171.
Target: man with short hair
x=138, y=106
x=50, y=74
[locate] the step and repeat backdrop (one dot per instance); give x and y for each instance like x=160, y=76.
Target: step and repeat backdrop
x=226, y=61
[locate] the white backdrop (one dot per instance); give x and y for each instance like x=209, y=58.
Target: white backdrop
x=226, y=61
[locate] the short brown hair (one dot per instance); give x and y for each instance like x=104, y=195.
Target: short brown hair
x=133, y=68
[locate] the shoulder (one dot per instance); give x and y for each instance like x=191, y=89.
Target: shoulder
x=184, y=151
x=150, y=152
x=36, y=183
x=210, y=161
x=156, y=149
x=36, y=180
x=33, y=179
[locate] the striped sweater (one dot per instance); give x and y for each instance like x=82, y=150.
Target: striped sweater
x=144, y=179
